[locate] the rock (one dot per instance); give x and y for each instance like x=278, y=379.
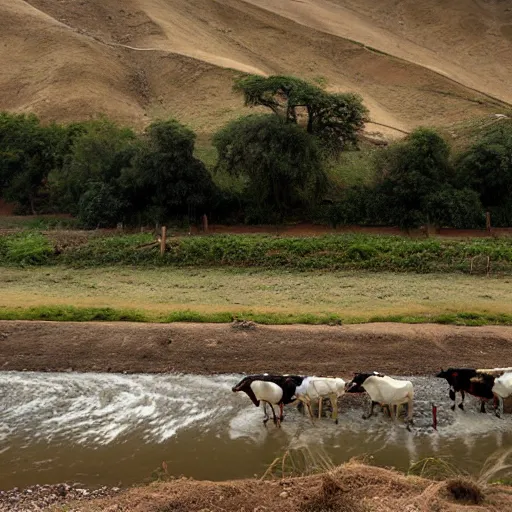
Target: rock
x=243, y=324
x=284, y=494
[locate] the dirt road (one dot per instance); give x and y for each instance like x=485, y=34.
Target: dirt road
x=219, y=348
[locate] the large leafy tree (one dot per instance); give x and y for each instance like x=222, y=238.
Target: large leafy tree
x=487, y=168
x=335, y=118
x=165, y=179
x=28, y=151
x=415, y=176
x=97, y=151
x=280, y=163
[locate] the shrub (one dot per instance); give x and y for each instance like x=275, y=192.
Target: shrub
x=26, y=249
x=99, y=207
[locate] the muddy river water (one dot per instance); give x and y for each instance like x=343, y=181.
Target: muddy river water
x=109, y=429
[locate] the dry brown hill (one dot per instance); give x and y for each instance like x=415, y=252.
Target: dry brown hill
x=414, y=61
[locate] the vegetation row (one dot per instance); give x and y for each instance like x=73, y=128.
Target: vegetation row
x=371, y=252
x=83, y=314
x=269, y=168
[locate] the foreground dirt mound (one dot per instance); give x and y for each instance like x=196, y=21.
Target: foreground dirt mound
x=414, y=63
x=396, y=349
x=351, y=488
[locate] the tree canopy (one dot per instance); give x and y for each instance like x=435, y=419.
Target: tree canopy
x=335, y=118
x=416, y=177
x=97, y=152
x=487, y=167
x=28, y=151
x=165, y=178
x=280, y=162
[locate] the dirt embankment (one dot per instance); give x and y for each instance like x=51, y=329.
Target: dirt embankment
x=351, y=488
x=220, y=348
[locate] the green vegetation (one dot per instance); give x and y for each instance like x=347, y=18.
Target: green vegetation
x=335, y=119
x=74, y=314
x=303, y=161
x=279, y=163
x=415, y=185
x=391, y=253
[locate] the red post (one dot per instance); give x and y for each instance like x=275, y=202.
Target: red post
x=434, y=416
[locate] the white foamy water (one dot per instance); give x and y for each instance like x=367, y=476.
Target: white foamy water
x=100, y=408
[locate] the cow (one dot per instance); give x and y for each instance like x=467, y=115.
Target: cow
x=318, y=388
x=468, y=380
x=383, y=390
x=270, y=389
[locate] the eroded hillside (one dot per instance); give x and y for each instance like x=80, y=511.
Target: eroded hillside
x=414, y=62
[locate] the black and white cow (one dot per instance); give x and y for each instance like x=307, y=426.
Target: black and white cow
x=270, y=389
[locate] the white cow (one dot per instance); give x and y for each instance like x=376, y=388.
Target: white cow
x=384, y=390
x=502, y=389
x=318, y=388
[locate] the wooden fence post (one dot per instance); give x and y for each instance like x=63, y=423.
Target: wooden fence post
x=205, y=223
x=163, y=240
x=488, y=221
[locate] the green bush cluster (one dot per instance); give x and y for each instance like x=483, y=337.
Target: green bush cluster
x=270, y=168
x=389, y=253
x=29, y=248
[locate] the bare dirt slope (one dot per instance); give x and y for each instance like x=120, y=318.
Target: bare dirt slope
x=139, y=59
x=396, y=349
x=352, y=487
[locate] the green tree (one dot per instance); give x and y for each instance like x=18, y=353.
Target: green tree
x=451, y=207
x=280, y=163
x=28, y=151
x=100, y=206
x=410, y=172
x=487, y=168
x=97, y=151
x=166, y=180
x=335, y=118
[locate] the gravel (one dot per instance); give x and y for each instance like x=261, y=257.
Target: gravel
x=41, y=497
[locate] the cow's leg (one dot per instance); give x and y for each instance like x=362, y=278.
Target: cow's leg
x=366, y=416
x=453, y=397
x=409, y=409
x=320, y=400
x=281, y=411
x=499, y=406
x=307, y=402
x=274, y=417
x=267, y=417
x=463, y=395
x=482, y=406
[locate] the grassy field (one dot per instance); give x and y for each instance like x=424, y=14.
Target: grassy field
x=270, y=296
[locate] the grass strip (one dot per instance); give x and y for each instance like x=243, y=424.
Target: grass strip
x=75, y=314
x=349, y=252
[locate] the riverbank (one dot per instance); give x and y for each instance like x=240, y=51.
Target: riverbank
x=352, y=487
x=400, y=349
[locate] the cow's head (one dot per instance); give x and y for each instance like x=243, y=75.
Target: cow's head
x=243, y=384
x=356, y=384
x=445, y=374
